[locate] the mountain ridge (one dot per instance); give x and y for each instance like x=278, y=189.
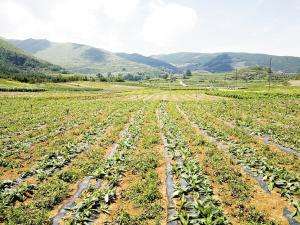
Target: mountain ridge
x=202, y=61
x=20, y=65
x=148, y=61
x=90, y=60
x=83, y=58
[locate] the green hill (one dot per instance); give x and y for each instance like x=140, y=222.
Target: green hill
x=184, y=58
x=81, y=58
x=156, y=63
x=31, y=45
x=19, y=65
x=222, y=62
x=89, y=60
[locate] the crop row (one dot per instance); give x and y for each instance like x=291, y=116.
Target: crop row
x=140, y=193
x=284, y=179
x=84, y=167
x=193, y=192
x=275, y=118
x=44, y=169
x=56, y=159
x=259, y=158
x=17, y=150
x=242, y=94
x=97, y=198
x=22, y=115
x=240, y=195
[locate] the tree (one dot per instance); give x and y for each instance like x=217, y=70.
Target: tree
x=99, y=75
x=109, y=76
x=172, y=78
x=119, y=78
x=164, y=76
x=188, y=73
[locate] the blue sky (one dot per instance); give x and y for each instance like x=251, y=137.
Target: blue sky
x=159, y=26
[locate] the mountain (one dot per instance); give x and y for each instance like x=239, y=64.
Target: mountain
x=148, y=61
x=83, y=58
x=90, y=60
x=226, y=61
x=184, y=58
x=221, y=63
x=19, y=65
x=31, y=45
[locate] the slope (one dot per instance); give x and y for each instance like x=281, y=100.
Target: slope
x=18, y=65
x=81, y=58
x=148, y=61
x=222, y=62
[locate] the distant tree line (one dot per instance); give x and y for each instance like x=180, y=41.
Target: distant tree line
x=31, y=76
x=16, y=65
x=20, y=67
x=109, y=77
x=258, y=73
x=42, y=78
x=14, y=89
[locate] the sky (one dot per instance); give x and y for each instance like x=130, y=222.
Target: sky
x=159, y=26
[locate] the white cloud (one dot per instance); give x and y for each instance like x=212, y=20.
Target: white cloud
x=119, y=10
x=260, y=2
x=80, y=17
x=167, y=23
x=298, y=6
x=70, y=19
x=157, y=26
x=94, y=22
x=16, y=19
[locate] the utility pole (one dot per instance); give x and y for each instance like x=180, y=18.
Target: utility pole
x=270, y=73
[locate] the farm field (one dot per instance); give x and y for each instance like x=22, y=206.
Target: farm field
x=127, y=153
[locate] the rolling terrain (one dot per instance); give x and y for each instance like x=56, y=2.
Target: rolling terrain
x=227, y=61
x=88, y=60
x=138, y=58
x=18, y=64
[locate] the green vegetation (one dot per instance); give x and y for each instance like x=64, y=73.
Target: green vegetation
x=148, y=61
x=17, y=65
x=224, y=62
x=82, y=58
x=135, y=67
x=149, y=152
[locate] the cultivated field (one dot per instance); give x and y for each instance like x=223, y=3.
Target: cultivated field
x=105, y=153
